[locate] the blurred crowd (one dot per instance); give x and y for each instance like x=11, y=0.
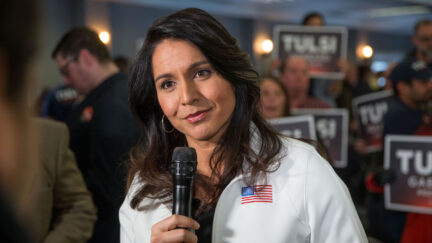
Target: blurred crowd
x=409, y=113
x=85, y=129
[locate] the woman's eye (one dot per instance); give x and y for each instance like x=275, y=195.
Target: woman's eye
x=202, y=74
x=167, y=84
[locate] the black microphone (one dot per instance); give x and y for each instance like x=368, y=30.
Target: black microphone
x=183, y=168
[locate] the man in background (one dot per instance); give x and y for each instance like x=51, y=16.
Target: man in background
x=102, y=127
x=295, y=76
x=422, y=40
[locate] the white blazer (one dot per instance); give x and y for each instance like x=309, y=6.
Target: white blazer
x=308, y=203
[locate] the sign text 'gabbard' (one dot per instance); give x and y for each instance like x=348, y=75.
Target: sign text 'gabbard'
x=410, y=158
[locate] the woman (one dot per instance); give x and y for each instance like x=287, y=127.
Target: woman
x=274, y=99
x=192, y=85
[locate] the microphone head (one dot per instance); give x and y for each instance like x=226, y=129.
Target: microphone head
x=184, y=162
x=184, y=154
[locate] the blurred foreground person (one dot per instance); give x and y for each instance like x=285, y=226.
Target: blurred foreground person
x=64, y=208
x=192, y=85
x=274, y=99
x=102, y=127
x=18, y=41
x=295, y=76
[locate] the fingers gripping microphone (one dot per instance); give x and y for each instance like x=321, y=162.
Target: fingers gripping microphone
x=183, y=168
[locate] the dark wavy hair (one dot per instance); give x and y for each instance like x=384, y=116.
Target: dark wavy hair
x=151, y=162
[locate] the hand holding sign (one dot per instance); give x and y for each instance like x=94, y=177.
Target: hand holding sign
x=369, y=111
x=332, y=130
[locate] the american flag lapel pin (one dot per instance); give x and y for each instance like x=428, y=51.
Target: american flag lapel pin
x=257, y=194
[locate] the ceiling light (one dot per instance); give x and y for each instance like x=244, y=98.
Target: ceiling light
x=397, y=11
x=104, y=37
x=267, y=46
x=364, y=51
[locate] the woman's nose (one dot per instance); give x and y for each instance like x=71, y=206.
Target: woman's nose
x=189, y=92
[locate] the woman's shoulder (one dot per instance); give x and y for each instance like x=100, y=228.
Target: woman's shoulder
x=300, y=151
x=302, y=159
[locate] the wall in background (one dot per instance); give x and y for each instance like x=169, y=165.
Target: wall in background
x=129, y=23
x=56, y=18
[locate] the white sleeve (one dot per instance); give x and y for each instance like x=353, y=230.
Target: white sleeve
x=127, y=216
x=330, y=211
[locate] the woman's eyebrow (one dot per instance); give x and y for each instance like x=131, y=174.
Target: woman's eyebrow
x=192, y=66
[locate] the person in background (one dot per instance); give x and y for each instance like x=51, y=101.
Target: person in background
x=295, y=77
x=324, y=89
x=274, y=101
x=313, y=19
x=122, y=63
x=64, y=208
x=18, y=44
x=102, y=127
x=412, y=86
x=422, y=40
x=188, y=90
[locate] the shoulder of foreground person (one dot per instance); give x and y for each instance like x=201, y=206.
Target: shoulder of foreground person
x=66, y=210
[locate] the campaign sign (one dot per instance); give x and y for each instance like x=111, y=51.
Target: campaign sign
x=332, y=131
x=295, y=126
x=323, y=47
x=410, y=157
x=369, y=111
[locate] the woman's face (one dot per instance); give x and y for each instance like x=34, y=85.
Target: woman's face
x=193, y=96
x=272, y=99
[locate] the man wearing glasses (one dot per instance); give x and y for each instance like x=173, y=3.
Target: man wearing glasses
x=422, y=40
x=101, y=126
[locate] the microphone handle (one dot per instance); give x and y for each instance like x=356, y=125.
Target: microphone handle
x=182, y=198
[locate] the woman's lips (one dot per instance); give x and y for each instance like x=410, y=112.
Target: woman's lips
x=270, y=108
x=197, y=116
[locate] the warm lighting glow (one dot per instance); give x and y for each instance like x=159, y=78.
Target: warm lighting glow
x=364, y=51
x=267, y=46
x=367, y=51
x=104, y=37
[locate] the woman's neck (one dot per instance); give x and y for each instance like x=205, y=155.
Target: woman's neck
x=204, y=151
